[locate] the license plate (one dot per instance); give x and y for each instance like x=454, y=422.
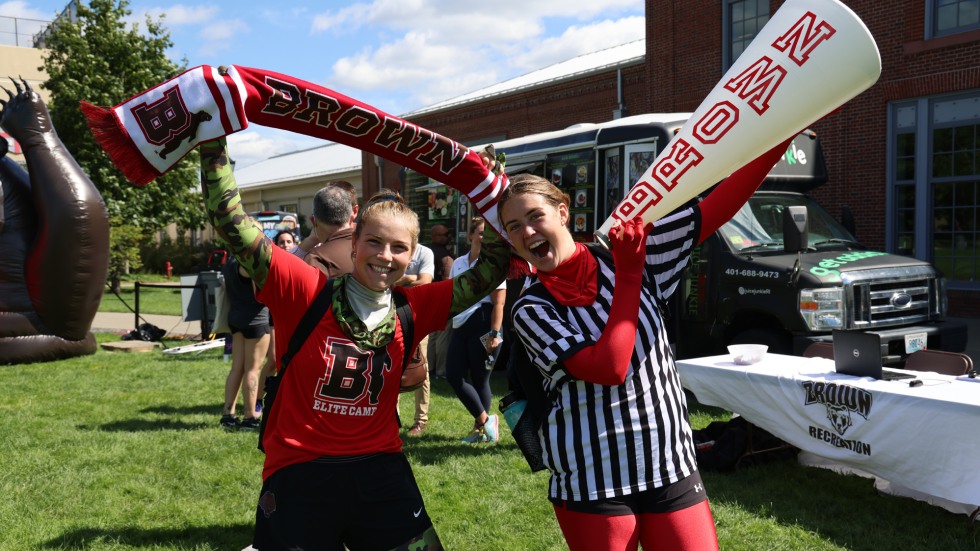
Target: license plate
x=915, y=342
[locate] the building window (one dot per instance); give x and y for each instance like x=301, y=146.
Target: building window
x=954, y=16
x=905, y=182
x=935, y=184
x=905, y=219
x=954, y=200
x=289, y=207
x=742, y=21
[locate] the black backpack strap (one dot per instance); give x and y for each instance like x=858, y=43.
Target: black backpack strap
x=404, y=313
x=314, y=313
x=528, y=374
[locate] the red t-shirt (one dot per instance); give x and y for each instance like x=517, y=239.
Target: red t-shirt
x=336, y=399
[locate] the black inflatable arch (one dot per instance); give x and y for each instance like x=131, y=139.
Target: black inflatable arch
x=54, y=241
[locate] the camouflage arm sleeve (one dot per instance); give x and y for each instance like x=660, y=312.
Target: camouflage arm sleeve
x=243, y=236
x=486, y=275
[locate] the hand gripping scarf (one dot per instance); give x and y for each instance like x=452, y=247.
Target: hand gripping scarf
x=148, y=134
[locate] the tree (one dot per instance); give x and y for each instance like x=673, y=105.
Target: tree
x=96, y=57
x=124, y=251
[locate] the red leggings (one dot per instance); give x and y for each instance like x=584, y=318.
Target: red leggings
x=690, y=529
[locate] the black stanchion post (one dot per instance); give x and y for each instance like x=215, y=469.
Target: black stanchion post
x=205, y=326
x=136, y=311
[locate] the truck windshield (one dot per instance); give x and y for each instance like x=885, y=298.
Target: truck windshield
x=758, y=226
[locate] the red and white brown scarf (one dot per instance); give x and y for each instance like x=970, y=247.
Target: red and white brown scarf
x=146, y=135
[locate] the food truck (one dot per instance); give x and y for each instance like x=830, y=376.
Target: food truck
x=782, y=272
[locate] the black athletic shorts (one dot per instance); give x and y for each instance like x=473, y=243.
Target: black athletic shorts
x=251, y=331
x=666, y=499
x=366, y=503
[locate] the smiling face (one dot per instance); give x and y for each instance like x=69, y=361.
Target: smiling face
x=538, y=230
x=382, y=251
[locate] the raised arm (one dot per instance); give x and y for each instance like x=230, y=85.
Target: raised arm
x=491, y=266
x=486, y=275
x=721, y=204
x=607, y=361
x=243, y=236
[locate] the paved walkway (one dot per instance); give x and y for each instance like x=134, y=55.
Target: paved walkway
x=109, y=322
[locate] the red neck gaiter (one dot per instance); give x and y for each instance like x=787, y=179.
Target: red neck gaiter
x=574, y=281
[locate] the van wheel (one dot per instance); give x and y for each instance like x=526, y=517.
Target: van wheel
x=777, y=341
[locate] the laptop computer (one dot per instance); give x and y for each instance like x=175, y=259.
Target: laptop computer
x=859, y=354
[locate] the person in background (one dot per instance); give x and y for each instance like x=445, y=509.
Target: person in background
x=334, y=472
x=285, y=240
x=248, y=320
x=442, y=255
x=476, y=335
x=335, y=209
x=442, y=258
x=617, y=438
x=323, y=224
x=420, y=271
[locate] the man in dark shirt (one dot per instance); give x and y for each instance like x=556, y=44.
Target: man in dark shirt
x=337, y=210
x=442, y=255
x=329, y=214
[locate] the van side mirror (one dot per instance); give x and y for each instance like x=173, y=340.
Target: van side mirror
x=795, y=229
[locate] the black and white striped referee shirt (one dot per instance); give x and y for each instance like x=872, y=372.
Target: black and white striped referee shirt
x=603, y=441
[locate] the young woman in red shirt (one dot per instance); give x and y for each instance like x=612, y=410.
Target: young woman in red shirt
x=334, y=472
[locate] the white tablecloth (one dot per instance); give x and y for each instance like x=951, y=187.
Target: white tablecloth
x=925, y=440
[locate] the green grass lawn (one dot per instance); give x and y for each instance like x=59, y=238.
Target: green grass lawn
x=122, y=451
x=153, y=300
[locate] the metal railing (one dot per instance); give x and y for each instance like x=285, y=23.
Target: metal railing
x=18, y=31
x=206, y=319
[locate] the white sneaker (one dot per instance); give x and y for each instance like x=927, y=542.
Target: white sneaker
x=475, y=437
x=492, y=428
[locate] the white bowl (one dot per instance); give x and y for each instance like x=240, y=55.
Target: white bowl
x=746, y=354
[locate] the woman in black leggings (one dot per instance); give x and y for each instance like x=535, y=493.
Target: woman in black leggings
x=468, y=350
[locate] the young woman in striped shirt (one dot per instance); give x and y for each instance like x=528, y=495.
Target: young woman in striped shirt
x=617, y=439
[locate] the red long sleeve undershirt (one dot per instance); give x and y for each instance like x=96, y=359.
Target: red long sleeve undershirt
x=608, y=360
x=615, y=346
x=725, y=200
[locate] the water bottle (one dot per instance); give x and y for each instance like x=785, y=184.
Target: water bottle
x=492, y=358
x=512, y=407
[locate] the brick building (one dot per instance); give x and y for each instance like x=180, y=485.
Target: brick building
x=903, y=155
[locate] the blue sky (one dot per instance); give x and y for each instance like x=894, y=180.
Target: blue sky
x=398, y=55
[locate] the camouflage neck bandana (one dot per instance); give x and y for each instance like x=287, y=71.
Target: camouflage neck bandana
x=352, y=325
